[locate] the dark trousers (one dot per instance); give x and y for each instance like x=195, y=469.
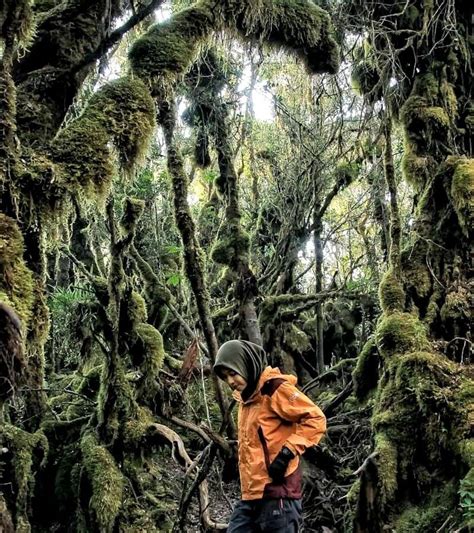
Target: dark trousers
x=261, y=516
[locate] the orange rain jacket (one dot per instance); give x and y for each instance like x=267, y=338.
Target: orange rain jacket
x=276, y=415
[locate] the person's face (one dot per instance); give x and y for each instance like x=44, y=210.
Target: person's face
x=234, y=380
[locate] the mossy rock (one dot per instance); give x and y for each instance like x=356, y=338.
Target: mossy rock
x=399, y=333
x=106, y=482
x=391, y=294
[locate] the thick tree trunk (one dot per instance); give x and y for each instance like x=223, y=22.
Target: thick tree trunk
x=423, y=393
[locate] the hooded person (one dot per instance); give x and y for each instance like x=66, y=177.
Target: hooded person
x=276, y=424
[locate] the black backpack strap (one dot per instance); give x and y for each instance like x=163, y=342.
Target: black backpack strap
x=270, y=386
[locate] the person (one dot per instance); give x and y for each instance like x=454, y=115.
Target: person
x=276, y=423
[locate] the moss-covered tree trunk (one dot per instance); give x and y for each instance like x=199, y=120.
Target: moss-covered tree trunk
x=424, y=455
x=192, y=253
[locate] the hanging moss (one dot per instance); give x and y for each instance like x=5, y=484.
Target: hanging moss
x=16, y=280
x=106, y=482
x=399, y=333
x=365, y=76
x=462, y=193
x=366, y=374
x=168, y=49
x=19, y=17
x=296, y=26
x=24, y=447
x=391, y=293
x=132, y=211
x=122, y=112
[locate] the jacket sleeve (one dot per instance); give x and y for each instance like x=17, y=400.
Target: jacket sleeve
x=292, y=405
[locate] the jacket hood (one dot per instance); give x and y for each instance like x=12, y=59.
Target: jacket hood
x=268, y=374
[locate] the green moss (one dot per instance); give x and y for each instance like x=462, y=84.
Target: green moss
x=366, y=373
x=20, y=19
x=24, y=447
x=106, y=482
x=136, y=429
x=346, y=172
x=16, y=280
x=132, y=211
x=150, y=346
x=430, y=515
x=416, y=170
x=115, y=401
x=365, y=77
x=418, y=411
x=418, y=278
x=418, y=115
x=136, y=309
x=153, y=346
x=387, y=462
x=462, y=193
x=232, y=246
x=456, y=305
x=296, y=340
x=227, y=278
x=122, y=112
x=296, y=26
x=391, y=293
x=399, y=333
x=168, y=49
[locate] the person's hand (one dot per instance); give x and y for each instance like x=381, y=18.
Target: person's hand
x=279, y=465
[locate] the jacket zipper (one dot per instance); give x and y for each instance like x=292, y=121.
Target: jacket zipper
x=263, y=442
